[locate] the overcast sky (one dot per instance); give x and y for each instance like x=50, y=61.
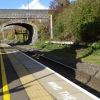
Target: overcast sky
x=25, y=4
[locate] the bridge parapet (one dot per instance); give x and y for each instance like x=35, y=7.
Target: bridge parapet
x=20, y=13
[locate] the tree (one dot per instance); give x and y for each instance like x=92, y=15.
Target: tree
x=84, y=20
x=57, y=6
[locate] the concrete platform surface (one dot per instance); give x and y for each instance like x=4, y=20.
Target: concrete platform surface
x=42, y=83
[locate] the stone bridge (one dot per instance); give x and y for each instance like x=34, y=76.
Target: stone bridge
x=26, y=19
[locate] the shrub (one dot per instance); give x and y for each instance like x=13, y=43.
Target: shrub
x=81, y=20
x=43, y=32
x=84, y=22
x=96, y=45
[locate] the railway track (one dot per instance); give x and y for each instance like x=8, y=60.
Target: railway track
x=76, y=76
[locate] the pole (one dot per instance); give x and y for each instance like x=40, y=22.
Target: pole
x=51, y=27
x=28, y=10
x=28, y=4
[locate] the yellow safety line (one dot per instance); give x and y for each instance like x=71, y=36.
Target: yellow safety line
x=6, y=94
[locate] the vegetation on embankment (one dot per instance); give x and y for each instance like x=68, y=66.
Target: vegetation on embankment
x=89, y=54
x=77, y=22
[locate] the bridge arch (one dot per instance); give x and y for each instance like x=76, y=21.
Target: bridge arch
x=31, y=27
x=11, y=16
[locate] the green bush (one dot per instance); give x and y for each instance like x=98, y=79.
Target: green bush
x=81, y=20
x=84, y=20
x=96, y=45
x=43, y=32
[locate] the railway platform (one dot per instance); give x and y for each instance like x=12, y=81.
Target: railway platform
x=42, y=83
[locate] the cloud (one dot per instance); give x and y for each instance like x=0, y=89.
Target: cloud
x=35, y=4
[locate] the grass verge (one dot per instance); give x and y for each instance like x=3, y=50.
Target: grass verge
x=86, y=54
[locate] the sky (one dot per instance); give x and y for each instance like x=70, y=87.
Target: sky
x=25, y=4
